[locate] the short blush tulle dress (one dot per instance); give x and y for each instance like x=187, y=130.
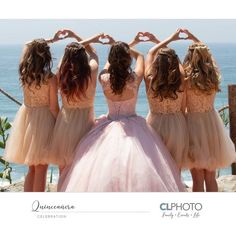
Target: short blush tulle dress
x=167, y=119
x=74, y=120
x=210, y=146
x=32, y=128
x=121, y=154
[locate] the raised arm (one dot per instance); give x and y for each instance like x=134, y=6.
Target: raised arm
x=139, y=66
x=110, y=42
x=151, y=37
x=87, y=43
x=137, y=39
x=56, y=37
x=191, y=36
x=140, y=38
x=152, y=52
x=92, y=52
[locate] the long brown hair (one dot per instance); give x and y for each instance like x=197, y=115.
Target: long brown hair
x=120, y=66
x=201, y=70
x=165, y=74
x=36, y=63
x=74, y=71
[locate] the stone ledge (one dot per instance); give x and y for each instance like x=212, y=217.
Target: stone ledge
x=226, y=183
x=19, y=187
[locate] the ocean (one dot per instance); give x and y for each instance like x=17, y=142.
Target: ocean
x=224, y=54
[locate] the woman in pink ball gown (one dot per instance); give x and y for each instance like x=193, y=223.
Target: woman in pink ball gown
x=121, y=153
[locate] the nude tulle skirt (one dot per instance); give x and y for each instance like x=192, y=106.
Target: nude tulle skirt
x=210, y=146
x=173, y=130
x=30, y=135
x=71, y=125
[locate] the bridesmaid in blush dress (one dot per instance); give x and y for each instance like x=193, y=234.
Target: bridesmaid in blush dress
x=34, y=122
x=210, y=146
x=121, y=153
x=77, y=75
x=164, y=80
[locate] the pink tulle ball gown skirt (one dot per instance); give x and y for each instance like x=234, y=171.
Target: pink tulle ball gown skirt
x=121, y=155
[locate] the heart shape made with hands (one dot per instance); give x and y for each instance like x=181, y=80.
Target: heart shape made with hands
x=143, y=38
x=63, y=35
x=183, y=35
x=104, y=40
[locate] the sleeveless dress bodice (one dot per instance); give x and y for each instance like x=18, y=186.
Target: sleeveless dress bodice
x=123, y=108
x=165, y=106
x=199, y=101
x=36, y=96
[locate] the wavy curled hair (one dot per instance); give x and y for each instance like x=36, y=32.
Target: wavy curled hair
x=201, y=69
x=120, y=66
x=165, y=74
x=74, y=72
x=36, y=63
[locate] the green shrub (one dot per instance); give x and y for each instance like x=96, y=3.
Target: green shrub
x=4, y=127
x=224, y=114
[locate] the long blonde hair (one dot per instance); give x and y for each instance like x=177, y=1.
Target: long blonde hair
x=201, y=69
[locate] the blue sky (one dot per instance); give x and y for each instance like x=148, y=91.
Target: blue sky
x=19, y=31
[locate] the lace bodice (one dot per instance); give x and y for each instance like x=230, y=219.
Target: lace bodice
x=122, y=108
x=165, y=106
x=199, y=102
x=82, y=102
x=36, y=97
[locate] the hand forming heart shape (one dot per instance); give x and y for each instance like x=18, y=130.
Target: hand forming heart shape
x=183, y=35
x=104, y=40
x=63, y=35
x=179, y=34
x=143, y=38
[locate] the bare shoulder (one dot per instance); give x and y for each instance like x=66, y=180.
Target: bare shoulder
x=104, y=75
x=93, y=64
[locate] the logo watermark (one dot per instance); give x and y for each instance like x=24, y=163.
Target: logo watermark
x=181, y=210
x=45, y=210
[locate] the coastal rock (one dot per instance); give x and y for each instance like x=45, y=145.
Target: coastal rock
x=227, y=183
x=19, y=187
